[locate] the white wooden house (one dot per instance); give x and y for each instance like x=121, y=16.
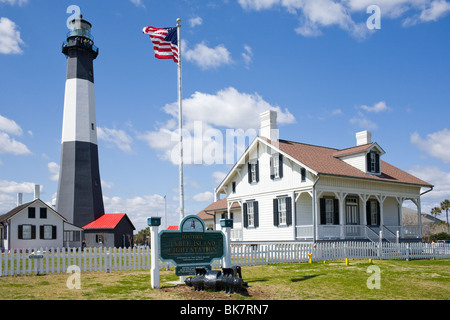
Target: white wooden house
x=283, y=190
x=35, y=225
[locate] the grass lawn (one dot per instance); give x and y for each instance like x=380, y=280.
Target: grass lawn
x=399, y=280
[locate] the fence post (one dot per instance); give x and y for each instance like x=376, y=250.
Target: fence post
x=407, y=252
x=154, y=224
x=107, y=259
x=226, y=225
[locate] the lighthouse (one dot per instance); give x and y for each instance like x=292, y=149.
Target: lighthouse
x=79, y=197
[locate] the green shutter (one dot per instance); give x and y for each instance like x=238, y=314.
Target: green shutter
x=245, y=215
x=256, y=213
x=289, y=211
x=280, y=163
x=20, y=232
x=336, y=212
x=323, y=215
x=276, y=220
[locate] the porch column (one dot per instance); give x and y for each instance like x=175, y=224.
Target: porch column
x=341, y=197
x=419, y=212
x=294, y=216
x=317, y=212
x=381, y=199
x=313, y=206
x=400, y=201
x=364, y=197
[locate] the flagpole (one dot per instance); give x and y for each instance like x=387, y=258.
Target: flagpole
x=180, y=122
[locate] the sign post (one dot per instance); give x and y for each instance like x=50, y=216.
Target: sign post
x=154, y=224
x=191, y=246
x=227, y=224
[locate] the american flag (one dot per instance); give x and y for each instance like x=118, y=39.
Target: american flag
x=165, y=42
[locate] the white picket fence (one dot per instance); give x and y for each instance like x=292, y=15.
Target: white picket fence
x=51, y=260
x=269, y=253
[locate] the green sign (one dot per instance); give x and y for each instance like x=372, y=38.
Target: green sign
x=191, y=246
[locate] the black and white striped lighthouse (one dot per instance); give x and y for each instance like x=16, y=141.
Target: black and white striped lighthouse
x=79, y=197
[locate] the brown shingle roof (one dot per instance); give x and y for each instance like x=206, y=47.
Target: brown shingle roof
x=11, y=213
x=323, y=160
x=215, y=206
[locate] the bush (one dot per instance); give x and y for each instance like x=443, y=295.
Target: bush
x=440, y=236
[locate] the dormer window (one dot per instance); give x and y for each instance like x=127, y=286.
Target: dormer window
x=373, y=162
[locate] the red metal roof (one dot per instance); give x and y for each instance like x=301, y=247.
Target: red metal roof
x=172, y=228
x=106, y=221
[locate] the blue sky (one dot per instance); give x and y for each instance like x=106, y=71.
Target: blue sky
x=315, y=62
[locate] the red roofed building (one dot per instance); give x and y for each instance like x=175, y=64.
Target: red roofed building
x=281, y=190
x=109, y=230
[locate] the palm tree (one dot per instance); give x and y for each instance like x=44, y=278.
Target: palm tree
x=445, y=205
x=435, y=211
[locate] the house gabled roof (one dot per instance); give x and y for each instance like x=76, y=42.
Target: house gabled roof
x=218, y=205
x=17, y=209
x=108, y=221
x=365, y=148
x=325, y=161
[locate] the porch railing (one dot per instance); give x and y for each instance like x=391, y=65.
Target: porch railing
x=357, y=232
x=236, y=234
x=304, y=232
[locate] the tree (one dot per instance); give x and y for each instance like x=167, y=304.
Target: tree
x=435, y=211
x=142, y=237
x=445, y=205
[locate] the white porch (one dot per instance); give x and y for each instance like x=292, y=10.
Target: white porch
x=352, y=218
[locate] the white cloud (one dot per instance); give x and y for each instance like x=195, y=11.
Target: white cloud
x=227, y=108
x=432, y=12
x=197, y=21
x=247, y=55
x=436, y=10
x=53, y=168
x=10, y=40
x=439, y=179
x=361, y=121
x=318, y=14
x=376, y=108
x=204, y=197
x=138, y=3
x=117, y=137
x=10, y=126
x=218, y=176
x=258, y=4
x=138, y=208
x=12, y=146
x=208, y=58
x=205, y=116
x=12, y=187
x=436, y=144
x=14, y=2
x=107, y=185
